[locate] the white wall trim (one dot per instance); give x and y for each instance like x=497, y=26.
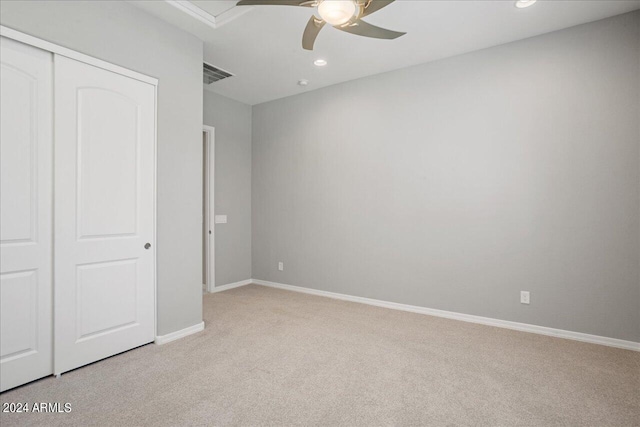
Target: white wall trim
x=209, y=200
x=155, y=210
x=163, y=339
x=231, y=286
x=506, y=324
x=231, y=14
x=523, y=327
x=205, y=17
x=72, y=54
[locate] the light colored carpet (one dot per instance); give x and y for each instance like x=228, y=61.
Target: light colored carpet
x=272, y=357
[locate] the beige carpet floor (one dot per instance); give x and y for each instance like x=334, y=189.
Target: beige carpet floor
x=272, y=357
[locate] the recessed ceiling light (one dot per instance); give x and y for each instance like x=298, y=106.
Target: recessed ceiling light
x=521, y=4
x=320, y=62
x=303, y=82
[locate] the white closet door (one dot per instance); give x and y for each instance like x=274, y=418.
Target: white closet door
x=104, y=213
x=25, y=205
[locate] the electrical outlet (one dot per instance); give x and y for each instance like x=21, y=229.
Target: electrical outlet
x=281, y=266
x=524, y=297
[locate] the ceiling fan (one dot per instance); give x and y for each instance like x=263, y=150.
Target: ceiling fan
x=345, y=15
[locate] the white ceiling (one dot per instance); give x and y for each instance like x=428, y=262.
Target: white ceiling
x=262, y=47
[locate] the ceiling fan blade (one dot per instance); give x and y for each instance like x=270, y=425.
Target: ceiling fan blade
x=365, y=29
x=303, y=3
x=375, y=5
x=311, y=32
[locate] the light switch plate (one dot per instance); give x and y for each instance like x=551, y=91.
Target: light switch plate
x=220, y=219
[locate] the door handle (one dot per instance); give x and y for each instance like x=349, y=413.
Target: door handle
x=147, y=246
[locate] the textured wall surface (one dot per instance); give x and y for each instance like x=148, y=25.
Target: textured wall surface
x=232, y=122
x=456, y=184
x=120, y=33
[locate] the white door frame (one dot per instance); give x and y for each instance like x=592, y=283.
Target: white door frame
x=209, y=203
x=63, y=51
x=72, y=54
x=104, y=249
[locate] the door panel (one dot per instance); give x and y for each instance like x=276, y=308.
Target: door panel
x=19, y=122
x=26, y=213
x=19, y=303
x=104, y=208
x=106, y=297
x=98, y=183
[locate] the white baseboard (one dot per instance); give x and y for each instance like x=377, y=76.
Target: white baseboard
x=163, y=339
x=231, y=286
x=524, y=327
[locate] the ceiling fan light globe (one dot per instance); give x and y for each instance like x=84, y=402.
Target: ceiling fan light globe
x=337, y=12
x=521, y=4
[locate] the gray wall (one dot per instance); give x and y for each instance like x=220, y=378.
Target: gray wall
x=122, y=34
x=458, y=183
x=232, y=122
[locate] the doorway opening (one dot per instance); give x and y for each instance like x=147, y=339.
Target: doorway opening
x=208, y=235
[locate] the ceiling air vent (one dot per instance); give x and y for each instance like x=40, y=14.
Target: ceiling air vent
x=213, y=74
